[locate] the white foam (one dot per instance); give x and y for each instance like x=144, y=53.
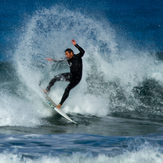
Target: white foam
x=144, y=155
x=19, y=112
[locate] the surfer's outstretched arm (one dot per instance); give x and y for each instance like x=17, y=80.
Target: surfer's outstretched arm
x=53, y=60
x=78, y=47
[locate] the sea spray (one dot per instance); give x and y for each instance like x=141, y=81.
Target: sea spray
x=110, y=73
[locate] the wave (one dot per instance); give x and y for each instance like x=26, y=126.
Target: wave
x=118, y=79
x=145, y=155
x=105, y=149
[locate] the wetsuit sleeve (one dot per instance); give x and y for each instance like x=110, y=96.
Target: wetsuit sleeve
x=81, y=50
x=61, y=60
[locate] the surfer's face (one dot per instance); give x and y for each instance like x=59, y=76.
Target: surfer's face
x=69, y=55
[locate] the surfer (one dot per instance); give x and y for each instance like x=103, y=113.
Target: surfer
x=75, y=74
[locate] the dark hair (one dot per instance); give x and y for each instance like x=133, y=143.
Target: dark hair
x=69, y=50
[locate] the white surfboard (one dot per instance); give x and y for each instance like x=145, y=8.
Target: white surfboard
x=53, y=105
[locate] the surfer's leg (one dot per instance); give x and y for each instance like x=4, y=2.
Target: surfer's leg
x=67, y=91
x=61, y=77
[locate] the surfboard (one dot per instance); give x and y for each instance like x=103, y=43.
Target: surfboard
x=53, y=105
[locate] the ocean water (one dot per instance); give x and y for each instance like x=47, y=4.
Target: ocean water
x=119, y=102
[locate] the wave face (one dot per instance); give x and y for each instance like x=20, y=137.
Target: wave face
x=125, y=82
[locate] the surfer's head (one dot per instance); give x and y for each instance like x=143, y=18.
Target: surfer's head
x=69, y=53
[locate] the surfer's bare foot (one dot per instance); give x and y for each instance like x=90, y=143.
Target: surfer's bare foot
x=58, y=106
x=45, y=91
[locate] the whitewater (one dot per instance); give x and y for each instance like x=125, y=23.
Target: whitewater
x=110, y=73
x=118, y=103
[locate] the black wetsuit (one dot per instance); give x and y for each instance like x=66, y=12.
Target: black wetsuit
x=73, y=77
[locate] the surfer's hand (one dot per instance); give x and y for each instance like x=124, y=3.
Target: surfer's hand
x=73, y=42
x=49, y=59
